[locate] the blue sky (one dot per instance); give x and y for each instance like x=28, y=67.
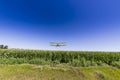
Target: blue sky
x=87, y=25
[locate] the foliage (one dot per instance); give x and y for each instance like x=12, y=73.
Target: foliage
x=74, y=58
x=116, y=64
x=3, y=46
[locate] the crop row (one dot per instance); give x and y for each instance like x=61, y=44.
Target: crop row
x=73, y=57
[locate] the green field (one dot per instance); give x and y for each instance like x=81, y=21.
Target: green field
x=19, y=64
x=35, y=72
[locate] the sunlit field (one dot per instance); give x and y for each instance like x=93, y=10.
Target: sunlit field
x=37, y=72
x=19, y=64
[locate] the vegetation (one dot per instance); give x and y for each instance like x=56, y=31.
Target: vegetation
x=3, y=47
x=72, y=58
x=19, y=64
x=35, y=72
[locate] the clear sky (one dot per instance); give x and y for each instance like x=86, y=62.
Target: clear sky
x=87, y=25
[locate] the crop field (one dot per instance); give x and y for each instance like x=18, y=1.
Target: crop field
x=71, y=58
x=19, y=64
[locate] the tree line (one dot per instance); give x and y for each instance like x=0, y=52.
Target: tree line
x=3, y=46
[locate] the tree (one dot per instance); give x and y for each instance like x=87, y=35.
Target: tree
x=3, y=46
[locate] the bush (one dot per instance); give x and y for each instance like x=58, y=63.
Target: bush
x=116, y=64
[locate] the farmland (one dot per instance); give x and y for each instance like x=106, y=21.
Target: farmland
x=19, y=64
x=71, y=58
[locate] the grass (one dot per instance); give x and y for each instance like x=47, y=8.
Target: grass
x=37, y=72
x=18, y=64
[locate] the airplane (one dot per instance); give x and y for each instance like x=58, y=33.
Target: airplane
x=58, y=44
